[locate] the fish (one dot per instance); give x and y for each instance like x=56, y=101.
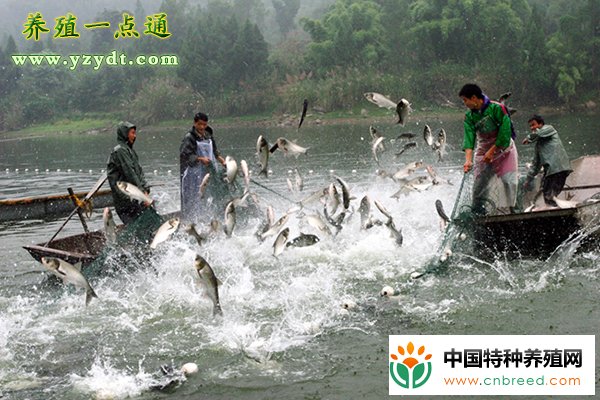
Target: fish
x=504, y=96
x=407, y=146
x=110, y=228
x=191, y=230
x=279, y=244
x=439, y=207
x=288, y=147
x=345, y=192
x=564, y=203
x=333, y=198
x=376, y=144
x=204, y=184
x=365, y=211
x=405, y=172
x=241, y=201
x=440, y=144
x=428, y=136
x=290, y=185
x=69, y=273
x=316, y=222
x=303, y=240
x=403, y=109
x=133, y=192
x=406, y=135
x=229, y=222
x=232, y=169
x=164, y=232
x=337, y=221
x=380, y=100
x=210, y=282
x=395, y=233
x=304, y=109
x=245, y=174
x=275, y=227
x=313, y=197
x=262, y=152
x=375, y=135
x=270, y=215
x=299, y=180
x=382, y=209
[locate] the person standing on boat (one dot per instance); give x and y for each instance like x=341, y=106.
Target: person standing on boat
x=123, y=165
x=198, y=156
x=550, y=155
x=495, y=158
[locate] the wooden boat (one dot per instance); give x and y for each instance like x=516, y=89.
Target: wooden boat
x=539, y=232
x=48, y=207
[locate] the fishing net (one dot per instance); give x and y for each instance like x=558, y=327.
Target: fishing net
x=131, y=247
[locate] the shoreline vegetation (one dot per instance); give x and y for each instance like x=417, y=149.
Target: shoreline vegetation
x=101, y=124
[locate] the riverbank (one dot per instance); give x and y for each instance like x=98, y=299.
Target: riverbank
x=101, y=124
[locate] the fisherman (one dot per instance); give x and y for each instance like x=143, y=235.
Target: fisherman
x=198, y=157
x=123, y=166
x=495, y=158
x=549, y=154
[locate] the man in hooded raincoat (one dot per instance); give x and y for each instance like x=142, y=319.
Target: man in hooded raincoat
x=549, y=154
x=123, y=165
x=494, y=160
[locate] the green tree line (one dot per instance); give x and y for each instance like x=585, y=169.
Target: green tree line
x=545, y=52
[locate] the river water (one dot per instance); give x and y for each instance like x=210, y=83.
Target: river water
x=284, y=332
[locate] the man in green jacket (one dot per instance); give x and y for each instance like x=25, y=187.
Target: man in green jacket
x=549, y=154
x=123, y=165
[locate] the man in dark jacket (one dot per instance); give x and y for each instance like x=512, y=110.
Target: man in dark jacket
x=198, y=156
x=550, y=155
x=123, y=165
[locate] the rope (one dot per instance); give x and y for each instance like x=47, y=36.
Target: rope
x=272, y=191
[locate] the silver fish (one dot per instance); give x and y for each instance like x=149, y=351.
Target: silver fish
x=110, y=228
x=262, y=152
x=375, y=146
x=204, y=184
x=279, y=244
x=427, y=135
x=270, y=215
x=333, y=198
x=439, y=207
x=382, y=209
x=403, y=109
x=303, y=240
x=345, y=192
x=276, y=227
x=229, y=222
x=396, y=233
x=375, y=135
x=241, y=201
x=315, y=221
x=380, y=100
x=210, y=282
x=134, y=192
x=440, y=144
x=290, y=185
x=406, y=171
x=245, y=174
x=365, y=211
x=337, y=221
x=164, y=232
x=299, y=180
x=69, y=273
x=191, y=230
x=313, y=197
x=232, y=169
x=288, y=147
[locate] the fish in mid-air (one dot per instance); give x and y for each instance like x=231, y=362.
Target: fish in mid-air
x=304, y=109
x=210, y=282
x=69, y=273
x=402, y=107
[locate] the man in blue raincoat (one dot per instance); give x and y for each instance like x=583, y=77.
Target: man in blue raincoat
x=198, y=156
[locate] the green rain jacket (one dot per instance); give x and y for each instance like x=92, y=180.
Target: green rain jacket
x=549, y=153
x=491, y=119
x=123, y=165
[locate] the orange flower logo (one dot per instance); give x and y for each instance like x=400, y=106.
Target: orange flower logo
x=402, y=368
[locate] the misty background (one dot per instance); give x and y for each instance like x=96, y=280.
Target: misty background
x=248, y=57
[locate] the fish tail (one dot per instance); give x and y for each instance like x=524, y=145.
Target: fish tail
x=217, y=310
x=89, y=293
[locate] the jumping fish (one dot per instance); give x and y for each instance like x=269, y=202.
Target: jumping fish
x=304, y=109
x=69, y=273
x=299, y=180
x=210, y=282
x=262, y=152
x=229, y=222
x=407, y=146
x=376, y=145
x=275, y=227
x=133, y=192
x=204, y=184
x=279, y=244
x=402, y=109
x=110, y=228
x=288, y=147
x=427, y=135
x=232, y=169
x=191, y=230
x=365, y=211
x=164, y=232
x=245, y=173
x=303, y=240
